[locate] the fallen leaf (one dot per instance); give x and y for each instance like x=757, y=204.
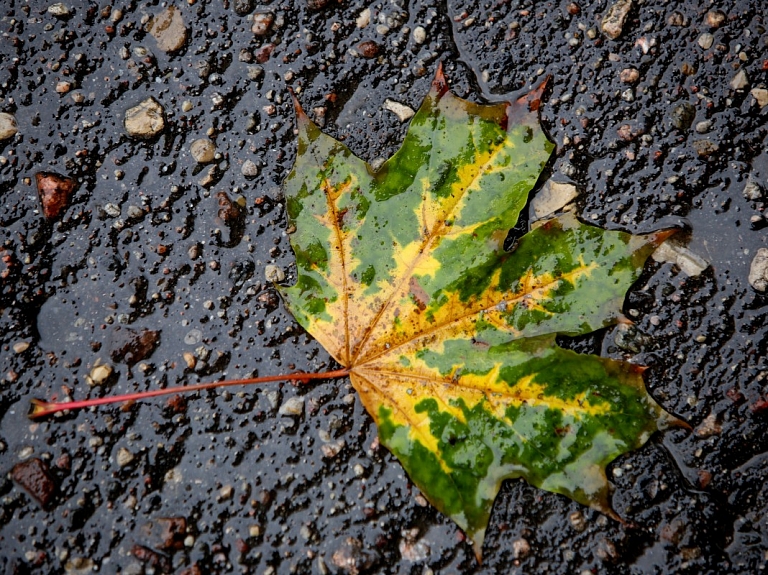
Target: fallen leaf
x=450, y=340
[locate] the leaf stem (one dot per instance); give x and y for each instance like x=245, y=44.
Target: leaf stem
x=42, y=408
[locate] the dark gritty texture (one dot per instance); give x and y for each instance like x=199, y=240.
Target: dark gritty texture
x=142, y=244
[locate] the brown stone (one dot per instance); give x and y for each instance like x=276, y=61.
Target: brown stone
x=131, y=345
x=158, y=562
x=629, y=75
x=33, y=476
x=167, y=533
x=715, y=18
x=168, y=29
x=261, y=23
x=369, y=49
x=54, y=192
x=613, y=21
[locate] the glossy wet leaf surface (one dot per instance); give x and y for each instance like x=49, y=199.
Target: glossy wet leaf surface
x=450, y=340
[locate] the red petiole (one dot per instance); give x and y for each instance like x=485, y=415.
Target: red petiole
x=42, y=408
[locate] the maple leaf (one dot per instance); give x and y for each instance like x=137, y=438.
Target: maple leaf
x=450, y=340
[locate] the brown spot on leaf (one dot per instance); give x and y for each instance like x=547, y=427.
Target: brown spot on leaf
x=54, y=192
x=418, y=295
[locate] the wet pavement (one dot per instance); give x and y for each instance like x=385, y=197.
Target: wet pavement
x=141, y=222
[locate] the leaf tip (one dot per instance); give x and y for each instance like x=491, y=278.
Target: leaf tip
x=478, y=548
x=439, y=84
x=667, y=420
x=300, y=113
x=658, y=238
x=533, y=98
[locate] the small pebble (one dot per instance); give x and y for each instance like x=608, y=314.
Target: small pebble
x=629, y=75
x=758, y=270
x=577, y=521
x=553, y=197
x=59, y=10
x=145, y=120
x=706, y=40
x=705, y=148
x=255, y=72
x=753, y=191
x=273, y=273
x=368, y=49
x=210, y=177
x=419, y=34
x=363, y=19
x=715, y=18
x=682, y=116
x=261, y=23
x=673, y=252
x=740, y=80
x=245, y=55
x=704, y=126
x=573, y=9
x=709, y=427
x=292, y=406
x=20, y=346
x=676, y=19
x=520, y=548
x=305, y=532
x=203, y=151
x=402, y=111
x=54, y=192
x=759, y=94
x=63, y=87
x=124, y=457
x=99, y=374
x=331, y=450
x=613, y=21
x=168, y=29
x=8, y=126
x=249, y=169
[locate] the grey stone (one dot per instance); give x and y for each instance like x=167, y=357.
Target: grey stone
x=552, y=197
x=758, y=271
x=674, y=252
x=8, y=126
x=292, y=406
